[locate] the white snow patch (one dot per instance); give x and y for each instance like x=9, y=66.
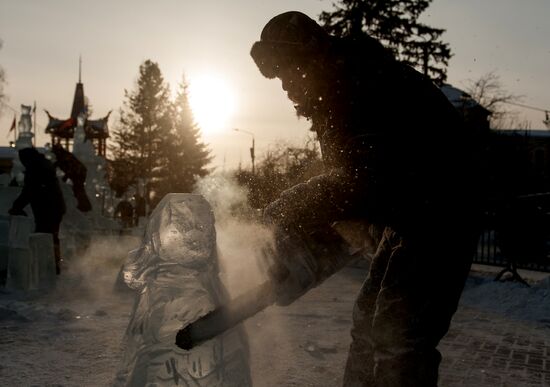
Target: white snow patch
x=511, y=299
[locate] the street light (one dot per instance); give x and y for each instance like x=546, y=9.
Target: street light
x=252, y=149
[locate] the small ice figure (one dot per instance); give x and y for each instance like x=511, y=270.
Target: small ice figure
x=24, y=140
x=25, y=122
x=175, y=272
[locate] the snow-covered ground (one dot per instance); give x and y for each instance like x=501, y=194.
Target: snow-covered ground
x=510, y=299
x=73, y=336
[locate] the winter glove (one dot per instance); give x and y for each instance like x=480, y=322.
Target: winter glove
x=300, y=260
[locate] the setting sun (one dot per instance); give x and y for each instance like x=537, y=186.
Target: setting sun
x=212, y=102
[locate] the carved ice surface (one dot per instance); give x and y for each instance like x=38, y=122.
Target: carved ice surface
x=24, y=140
x=42, y=249
x=19, y=232
x=97, y=187
x=4, y=249
x=175, y=272
x=25, y=122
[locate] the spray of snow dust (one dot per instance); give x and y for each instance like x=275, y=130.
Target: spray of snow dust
x=240, y=236
x=93, y=273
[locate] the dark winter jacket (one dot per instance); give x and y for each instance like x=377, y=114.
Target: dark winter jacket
x=41, y=188
x=394, y=147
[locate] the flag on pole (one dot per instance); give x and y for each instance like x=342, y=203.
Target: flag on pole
x=34, y=124
x=12, y=125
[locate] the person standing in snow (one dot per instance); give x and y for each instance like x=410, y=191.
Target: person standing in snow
x=125, y=212
x=42, y=191
x=397, y=156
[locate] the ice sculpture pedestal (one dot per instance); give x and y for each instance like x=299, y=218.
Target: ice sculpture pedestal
x=4, y=249
x=175, y=272
x=42, y=250
x=22, y=274
x=30, y=256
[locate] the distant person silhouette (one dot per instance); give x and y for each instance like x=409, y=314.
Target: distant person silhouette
x=140, y=208
x=397, y=156
x=75, y=171
x=125, y=211
x=42, y=191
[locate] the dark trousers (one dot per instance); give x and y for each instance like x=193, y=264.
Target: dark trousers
x=405, y=307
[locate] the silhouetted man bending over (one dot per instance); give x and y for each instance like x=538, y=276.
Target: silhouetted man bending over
x=41, y=190
x=397, y=156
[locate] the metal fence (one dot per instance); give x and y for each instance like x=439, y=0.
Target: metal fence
x=489, y=253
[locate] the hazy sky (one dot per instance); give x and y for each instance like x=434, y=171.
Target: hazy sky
x=42, y=40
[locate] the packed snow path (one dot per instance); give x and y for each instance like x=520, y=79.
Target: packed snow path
x=500, y=335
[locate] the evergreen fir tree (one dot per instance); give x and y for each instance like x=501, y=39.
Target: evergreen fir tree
x=145, y=123
x=190, y=155
x=157, y=139
x=395, y=23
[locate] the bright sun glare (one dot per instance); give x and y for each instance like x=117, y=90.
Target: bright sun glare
x=212, y=102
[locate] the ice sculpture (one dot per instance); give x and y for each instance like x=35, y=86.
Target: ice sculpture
x=29, y=260
x=97, y=187
x=76, y=227
x=42, y=249
x=175, y=272
x=21, y=268
x=4, y=249
x=24, y=140
x=25, y=122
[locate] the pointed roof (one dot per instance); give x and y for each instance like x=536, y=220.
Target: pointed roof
x=65, y=128
x=78, y=101
x=79, y=104
x=473, y=113
x=460, y=99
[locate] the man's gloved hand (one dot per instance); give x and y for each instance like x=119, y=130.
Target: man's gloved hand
x=302, y=259
x=17, y=211
x=288, y=265
x=307, y=250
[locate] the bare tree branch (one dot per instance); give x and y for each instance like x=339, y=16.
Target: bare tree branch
x=489, y=92
x=2, y=83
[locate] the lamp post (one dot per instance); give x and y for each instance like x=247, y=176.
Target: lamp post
x=252, y=149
